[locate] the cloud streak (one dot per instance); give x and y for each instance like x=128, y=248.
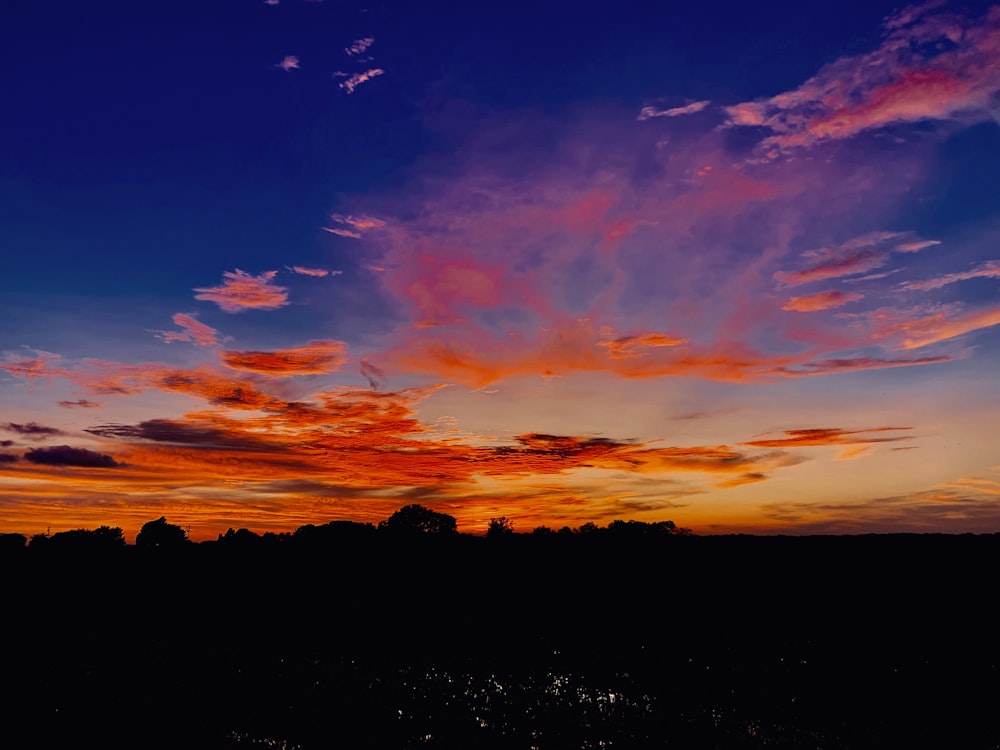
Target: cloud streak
x=649, y=112
x=988, y=270
x=821, y=301
x=314, y=358
x=859, y=255
x=31, y=430
x=64, y=455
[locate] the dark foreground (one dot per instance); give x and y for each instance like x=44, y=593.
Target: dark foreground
x=356, y=640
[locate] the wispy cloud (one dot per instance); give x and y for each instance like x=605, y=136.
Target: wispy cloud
x=950, y=508
x=919, y=332
x=930, y=66
x=353, y=226
x=81, y=403
x=859, y=255
x=649, y=112
x=360, y=45
x=341, y=232
x=988, y=270
x=43, y=365
x=314, y=358
x=352, y=82
x=288, y=62
x=192, y=330
x=852, y=364
x=240, y=291
x=31, y=430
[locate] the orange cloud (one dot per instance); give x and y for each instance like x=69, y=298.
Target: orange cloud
x=314, y=358
x=819, y=436
x=628, y=347
x=240, y=291
x=358, y=78
x=820, y=301
x=579, y=347
x=916, y=333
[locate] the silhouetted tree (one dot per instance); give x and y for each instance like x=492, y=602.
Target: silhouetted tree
x=418, y=519
x=499, y=527
x=161, y=535
x=12, y=543
x=87, y=541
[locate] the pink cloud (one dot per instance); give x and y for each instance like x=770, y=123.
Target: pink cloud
x=240, y=291
x=358, y=78
x=317, y=272
x=821, y=301
x=916, y=246
x=289, y=62
x=932, y=66
x=988, y=270
x=34, y=368
x=193, y=330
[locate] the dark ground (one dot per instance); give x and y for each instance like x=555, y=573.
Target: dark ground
x=356, y=638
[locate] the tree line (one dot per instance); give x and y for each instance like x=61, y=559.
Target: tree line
x=410, y=521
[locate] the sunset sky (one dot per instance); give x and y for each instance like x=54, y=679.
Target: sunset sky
x=270, y=263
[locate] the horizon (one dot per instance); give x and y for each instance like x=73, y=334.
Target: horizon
x=285, y=262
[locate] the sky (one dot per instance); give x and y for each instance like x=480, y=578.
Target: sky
x=277, y=262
